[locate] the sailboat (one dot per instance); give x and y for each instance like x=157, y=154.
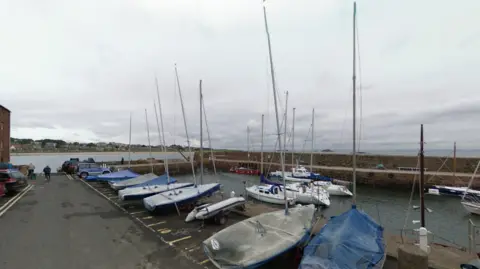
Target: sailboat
x=272, y=193
x=352, y=239
x=255, y=241
x=470, y=202
x=187, y=195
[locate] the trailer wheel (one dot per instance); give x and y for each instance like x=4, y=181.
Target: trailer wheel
x=221, y=219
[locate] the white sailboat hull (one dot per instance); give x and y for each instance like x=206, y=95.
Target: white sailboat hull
x=308, y=195
x=210, y=210
x=472, y=207
x=261, y=193
x=254, y=241
x=332, y=189
x=144, y=191
x=181, y=196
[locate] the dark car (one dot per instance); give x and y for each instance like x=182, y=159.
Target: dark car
x=13, y=179
x=71, y=166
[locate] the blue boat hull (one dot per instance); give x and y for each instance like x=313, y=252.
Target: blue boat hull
x=450, y=192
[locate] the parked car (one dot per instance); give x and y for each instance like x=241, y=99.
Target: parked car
x=3, y=191
x=91, y=169
x=13, y=180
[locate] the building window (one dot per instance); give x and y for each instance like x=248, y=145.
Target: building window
x=1, y=126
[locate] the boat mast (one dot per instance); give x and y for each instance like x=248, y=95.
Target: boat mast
x=422, y=175
x=130, y=143
x=149, y=145
x=201, y=134
x=313, y=140
x=354, y=153
x=185, y=125
x=272, y=74
x=454, y=157
x=261, y=149
x=165, y=160
x=285, y=136
x=208, y=135
x=293, y=138
x=248, y=143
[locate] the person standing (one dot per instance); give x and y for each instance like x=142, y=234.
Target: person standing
x=122, y=161
x=47, y=171
x=31, y=170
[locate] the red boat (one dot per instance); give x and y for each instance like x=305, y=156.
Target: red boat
x=245, y=171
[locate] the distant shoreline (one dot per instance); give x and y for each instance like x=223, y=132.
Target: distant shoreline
x=87, y=153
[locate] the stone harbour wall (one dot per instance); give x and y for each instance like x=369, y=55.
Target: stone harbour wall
x=463, y=165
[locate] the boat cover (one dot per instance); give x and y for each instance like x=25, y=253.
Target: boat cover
x=120, y=175
x=161, y=180
x=351, y=240
x=176, y=197
x=255, y=241
x=117, y=185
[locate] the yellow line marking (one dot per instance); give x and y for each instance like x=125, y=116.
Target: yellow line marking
x=149, y=217
x=158, y=223
x=204, y=261
x=138, y=212
x=180, y=239
x=166, y=231
x=162, y=229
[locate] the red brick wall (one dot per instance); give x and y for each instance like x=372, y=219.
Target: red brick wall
x=4, y=135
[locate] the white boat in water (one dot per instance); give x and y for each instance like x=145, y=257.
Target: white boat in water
x=472, y=207
x=209, y=210
x=269, y=194
x=180, y=196
x=333, y=189
x=254, y=241
x=141, y=192
x=308, y=195
x=470, y=202
x=118, y=185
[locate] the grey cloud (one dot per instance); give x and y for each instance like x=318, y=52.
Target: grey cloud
x=70, y=67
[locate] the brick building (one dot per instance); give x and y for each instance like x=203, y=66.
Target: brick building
x=4, y=134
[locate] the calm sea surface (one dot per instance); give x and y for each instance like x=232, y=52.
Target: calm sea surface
x=448, y=221
x=55, y=161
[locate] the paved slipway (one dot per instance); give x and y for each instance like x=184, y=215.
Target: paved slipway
x=63, y=224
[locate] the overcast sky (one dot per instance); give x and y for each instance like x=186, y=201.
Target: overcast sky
x=74, y=70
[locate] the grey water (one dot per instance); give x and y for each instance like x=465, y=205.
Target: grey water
x=54, y=161
x=448, y=220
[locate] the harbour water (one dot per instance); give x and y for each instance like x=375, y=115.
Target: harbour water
x=54, y=160
x=448, y=221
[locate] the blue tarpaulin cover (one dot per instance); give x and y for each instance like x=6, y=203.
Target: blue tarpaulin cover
x=161, y=180
x=349, y=241
x=120, y=175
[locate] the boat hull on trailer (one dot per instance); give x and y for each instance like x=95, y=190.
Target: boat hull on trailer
x=255, y=241
x=118, y=185
x=135, y=193
x=210, y=210
x=179, y=197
